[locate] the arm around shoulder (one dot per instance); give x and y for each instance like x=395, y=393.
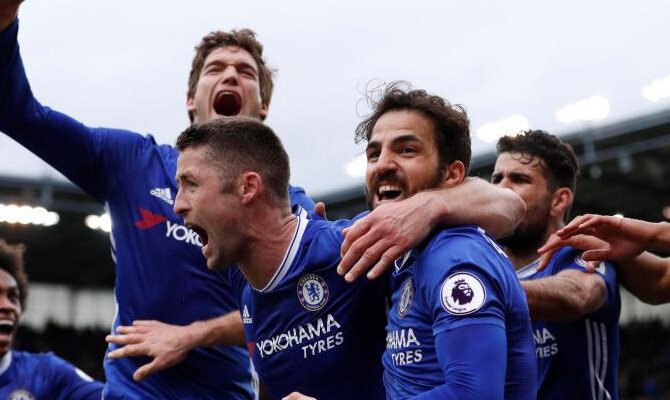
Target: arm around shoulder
x=475, y=201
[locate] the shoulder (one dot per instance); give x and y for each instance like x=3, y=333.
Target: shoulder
x=463, y=244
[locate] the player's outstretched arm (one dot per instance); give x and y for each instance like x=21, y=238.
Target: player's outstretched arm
x=376, y=240
x=566, y=296
x=169, y=345
x=9, y=10
x=647, y=277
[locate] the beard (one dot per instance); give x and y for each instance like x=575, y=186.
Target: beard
x=529, y=235
x=371, y=190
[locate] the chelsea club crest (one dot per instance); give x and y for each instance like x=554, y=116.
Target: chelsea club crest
x=21, y=394
x=312, y=292
x=406, y=297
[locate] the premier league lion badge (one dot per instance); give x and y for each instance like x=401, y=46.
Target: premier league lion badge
x=406, y=297
x=462, y=293
x=312, y=292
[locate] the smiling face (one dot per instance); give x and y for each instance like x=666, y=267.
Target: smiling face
x=228, y=85
x=207, y=208
x=402, y=157
x=10, y=310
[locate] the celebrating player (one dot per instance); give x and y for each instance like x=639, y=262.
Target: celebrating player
x=575, y=313
x=160, y=270
x=26, y=375
x=458, y=327
x=161, y=274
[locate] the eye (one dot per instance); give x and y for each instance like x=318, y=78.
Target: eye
x=249, y=72
x=214, y=69
x=496, y=178
x=372, y=155
x=408, y=150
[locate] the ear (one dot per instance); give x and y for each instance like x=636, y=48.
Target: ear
x=454, y=174
x=264, y=111
x=250, y=186
x=189, y=104
x=560, y=202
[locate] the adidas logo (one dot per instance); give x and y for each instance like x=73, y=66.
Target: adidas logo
x=246, y=318
x=163, y=194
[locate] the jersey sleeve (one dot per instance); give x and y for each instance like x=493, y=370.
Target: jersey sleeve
x=571, y=259
x=70, y=383
x=89, y=157
x=458, y=285
x=300, y=198
x=473, y=360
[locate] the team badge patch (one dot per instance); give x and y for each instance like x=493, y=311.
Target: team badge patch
x=406, y=297
x=21, y=394
x=462, y=293
x=312, y=292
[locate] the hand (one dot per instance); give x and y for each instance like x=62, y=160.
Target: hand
x=297, y=396
x=9, y=10
x=595, y=249
x=376, y=240
x=320, y=209
x=167, y=344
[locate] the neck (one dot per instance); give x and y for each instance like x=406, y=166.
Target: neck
x=269, y=236
x=522, y=256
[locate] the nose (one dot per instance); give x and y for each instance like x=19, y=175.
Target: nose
x=229, y=75
x=385, y=162
x=180, y=204
x=6, y=304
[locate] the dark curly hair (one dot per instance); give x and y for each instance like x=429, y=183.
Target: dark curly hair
x=243, y=38
x=452, y=126
x=557, y=158
x=11, y=260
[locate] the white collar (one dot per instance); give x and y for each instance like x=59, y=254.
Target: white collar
x=292, y=250
x=5, y=362
x=528, y=270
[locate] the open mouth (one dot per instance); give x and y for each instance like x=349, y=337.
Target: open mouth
x=6, y=327
x=227, y=103
x=201, y=232
x=389, y=192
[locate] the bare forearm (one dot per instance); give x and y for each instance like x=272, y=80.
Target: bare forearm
x=647, y=276
x=225, y=330
x=564, y=298
x=478, y=202
x=661, y=240
x=9, y=10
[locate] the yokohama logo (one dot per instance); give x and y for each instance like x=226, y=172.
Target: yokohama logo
x=174, y=230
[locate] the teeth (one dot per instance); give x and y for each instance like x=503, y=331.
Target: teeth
x=388, y=188
x=7, y=322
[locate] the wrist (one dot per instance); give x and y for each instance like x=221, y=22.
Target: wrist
x=198, y=333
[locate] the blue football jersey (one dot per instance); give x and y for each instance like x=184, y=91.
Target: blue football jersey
x=160, y=271
x=309, y=330
x=578, y=359
x=458, y=284
x=26, y=376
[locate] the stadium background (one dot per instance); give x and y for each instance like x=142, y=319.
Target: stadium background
x=497, y=58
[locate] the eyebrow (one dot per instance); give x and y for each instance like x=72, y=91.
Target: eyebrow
x=237, y=64
x=400, y=139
